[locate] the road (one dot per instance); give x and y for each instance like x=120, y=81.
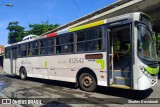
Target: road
x=64, y=94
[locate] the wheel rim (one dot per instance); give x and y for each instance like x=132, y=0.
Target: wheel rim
x=87, y=81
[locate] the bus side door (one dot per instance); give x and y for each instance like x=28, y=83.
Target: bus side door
x=13, y=60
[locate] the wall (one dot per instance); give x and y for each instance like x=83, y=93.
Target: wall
x=1, y=49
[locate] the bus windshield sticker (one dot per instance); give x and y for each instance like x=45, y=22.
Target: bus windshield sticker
x=100, y=61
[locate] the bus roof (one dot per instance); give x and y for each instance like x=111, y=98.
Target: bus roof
x=101, y=22
x=85, y=26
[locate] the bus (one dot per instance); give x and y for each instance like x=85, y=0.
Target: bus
x=29, y=37
x=116, y=52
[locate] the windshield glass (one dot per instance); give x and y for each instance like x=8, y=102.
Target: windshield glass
x=146, y=44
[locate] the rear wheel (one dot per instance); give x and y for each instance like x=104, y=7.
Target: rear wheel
x=87, y=82
x=23, y=74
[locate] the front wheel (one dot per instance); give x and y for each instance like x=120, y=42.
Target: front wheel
x=87, y=82
x=23, y=74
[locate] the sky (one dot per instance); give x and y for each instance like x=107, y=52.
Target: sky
x=37, y=11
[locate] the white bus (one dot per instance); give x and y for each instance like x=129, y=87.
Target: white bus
x=29, y=37
x=116, y=52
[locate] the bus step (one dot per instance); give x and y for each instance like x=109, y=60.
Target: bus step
x=120, y=86
x=122, y=81
x=125, y=74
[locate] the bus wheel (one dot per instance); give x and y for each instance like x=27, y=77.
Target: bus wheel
x=23, y=74
x=87, y=82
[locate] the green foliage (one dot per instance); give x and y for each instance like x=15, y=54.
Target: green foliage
x=116, y=44
x=16, y=32
x=38, y=29
x=158, y=45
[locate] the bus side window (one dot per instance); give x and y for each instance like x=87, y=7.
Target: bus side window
x=29, y=49
x=58, y=50
x=89, y=40
x=35, y=48
x=80, y=47
x=22, y=50
x=49, y=47
x=42, y=46
x=7, y=52
x=93, y=39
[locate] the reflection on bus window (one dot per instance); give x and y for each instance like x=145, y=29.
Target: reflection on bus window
x=146, y=44
x=34, y=52
x=58, y=49
x=89, y=40
x=67, y=48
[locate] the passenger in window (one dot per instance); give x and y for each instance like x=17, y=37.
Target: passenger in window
x=42, y=51
x=125, y=60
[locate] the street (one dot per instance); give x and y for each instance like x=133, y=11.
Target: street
x=65, y=94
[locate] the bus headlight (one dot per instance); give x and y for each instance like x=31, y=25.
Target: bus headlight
x=145, y=72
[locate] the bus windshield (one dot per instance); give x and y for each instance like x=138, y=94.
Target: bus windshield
x=146, y=44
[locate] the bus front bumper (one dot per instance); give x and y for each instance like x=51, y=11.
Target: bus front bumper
x=146, y=83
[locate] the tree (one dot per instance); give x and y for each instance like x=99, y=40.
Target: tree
x=38, y=29
x=158, y=44
x=16, y=32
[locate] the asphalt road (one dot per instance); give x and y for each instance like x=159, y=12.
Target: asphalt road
x=64, y=94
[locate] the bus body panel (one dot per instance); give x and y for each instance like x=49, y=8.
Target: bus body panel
x=63, y=67
x=145, y=82
x=7, y=66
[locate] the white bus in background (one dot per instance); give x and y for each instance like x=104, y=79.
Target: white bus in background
x=29, y=37
x=115, y=52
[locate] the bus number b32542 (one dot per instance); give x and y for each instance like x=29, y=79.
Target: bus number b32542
x=76, y=60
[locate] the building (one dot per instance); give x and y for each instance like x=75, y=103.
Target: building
x=150, y=7
x=1, y=56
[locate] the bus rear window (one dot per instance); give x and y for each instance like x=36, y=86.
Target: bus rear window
x=7, y=52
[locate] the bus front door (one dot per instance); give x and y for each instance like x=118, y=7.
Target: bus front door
x=119, y=56
x=13, y=60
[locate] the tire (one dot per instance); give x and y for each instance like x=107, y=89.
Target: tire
x=87, y=82
x=23, y=74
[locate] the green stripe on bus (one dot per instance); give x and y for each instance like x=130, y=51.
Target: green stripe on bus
x=87, y=26
x=152, y=70
x=46, y=64
x=101, y=61
x=76, y=28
